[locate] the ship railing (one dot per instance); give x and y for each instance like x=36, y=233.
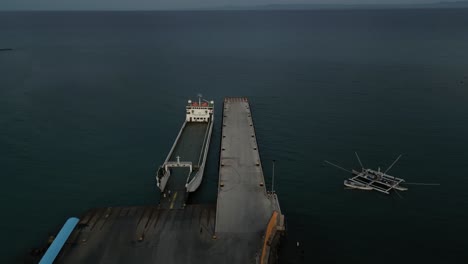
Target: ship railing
x=205, y=138
x=179, y=164
x=175, y=142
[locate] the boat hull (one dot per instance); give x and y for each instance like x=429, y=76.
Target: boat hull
x=356, y=185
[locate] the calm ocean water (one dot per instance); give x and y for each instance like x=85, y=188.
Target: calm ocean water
x=90, y=103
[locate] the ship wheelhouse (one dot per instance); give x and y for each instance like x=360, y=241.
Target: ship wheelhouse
x=201, y=111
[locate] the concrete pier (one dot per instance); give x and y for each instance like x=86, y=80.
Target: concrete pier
x=243, y=203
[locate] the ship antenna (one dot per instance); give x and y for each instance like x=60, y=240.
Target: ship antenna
x=273, y=178
x=392, y=164
x=199, y=98
x=359, y=160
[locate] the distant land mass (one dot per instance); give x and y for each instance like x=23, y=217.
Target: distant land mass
x=454, y=4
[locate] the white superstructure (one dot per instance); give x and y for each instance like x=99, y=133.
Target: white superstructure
x=200, y=111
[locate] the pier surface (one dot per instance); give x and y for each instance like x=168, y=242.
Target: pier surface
x=243, y=202
x=246, y=214
x=243, y=227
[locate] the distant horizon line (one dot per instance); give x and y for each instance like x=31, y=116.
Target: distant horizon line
x=272, y=7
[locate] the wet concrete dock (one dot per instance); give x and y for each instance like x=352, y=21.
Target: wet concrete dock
x=145, y=234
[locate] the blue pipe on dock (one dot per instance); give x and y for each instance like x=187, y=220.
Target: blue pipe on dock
x=59, y=241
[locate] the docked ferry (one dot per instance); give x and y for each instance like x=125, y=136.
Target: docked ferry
x=182, y=171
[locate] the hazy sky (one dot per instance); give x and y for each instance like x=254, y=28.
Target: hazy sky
x=173, y=4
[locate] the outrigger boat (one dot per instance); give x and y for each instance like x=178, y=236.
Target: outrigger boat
x=382, y=177
x=369, y=179
x=377, y=180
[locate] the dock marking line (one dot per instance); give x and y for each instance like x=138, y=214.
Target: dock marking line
x=173, y=199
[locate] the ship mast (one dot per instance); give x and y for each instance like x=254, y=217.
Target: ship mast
x=359, y=160
x=199, y=98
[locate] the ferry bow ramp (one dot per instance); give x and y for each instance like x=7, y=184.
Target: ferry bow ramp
x=244, y=226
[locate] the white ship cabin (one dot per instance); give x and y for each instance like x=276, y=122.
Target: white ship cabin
x=201, y=111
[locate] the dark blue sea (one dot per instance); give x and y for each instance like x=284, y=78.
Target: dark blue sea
x=90, y=103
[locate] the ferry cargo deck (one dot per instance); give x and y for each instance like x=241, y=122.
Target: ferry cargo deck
x=189, y=147
x=190, y=144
